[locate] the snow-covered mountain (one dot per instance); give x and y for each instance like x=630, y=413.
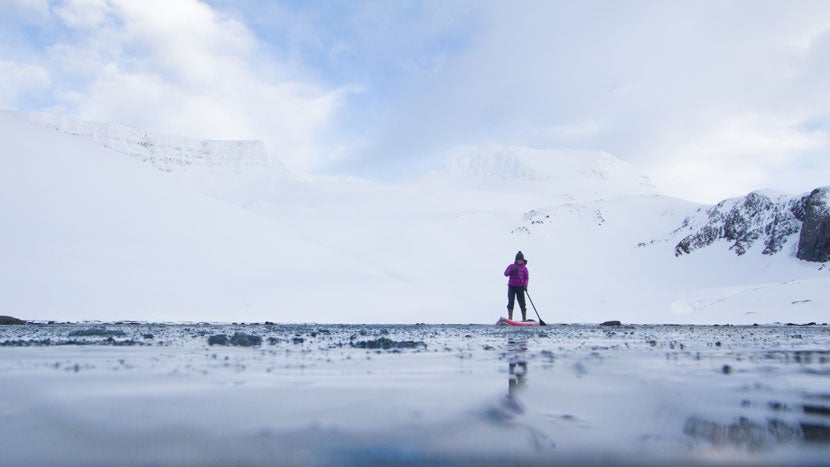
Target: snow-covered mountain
x=232, y=170
x=87, y=233
x=565, y=174
x=771, y=219
x=165, y=152
x=96, y=225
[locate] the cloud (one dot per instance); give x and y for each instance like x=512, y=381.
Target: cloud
x=82, y=14
x=19, y=81
x=730, y=155
x=30, y=11
x=179, y=66
x=711, y=99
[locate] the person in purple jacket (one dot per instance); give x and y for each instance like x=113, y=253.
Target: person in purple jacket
x=517, y=284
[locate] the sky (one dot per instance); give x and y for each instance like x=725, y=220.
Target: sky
x=710, y=99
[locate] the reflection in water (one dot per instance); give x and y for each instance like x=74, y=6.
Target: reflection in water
x=538, y=442
x=742, y=433
x=789, y=423
x=517, y=372
x=516, y=380
x=783, y=423
x=766, y=424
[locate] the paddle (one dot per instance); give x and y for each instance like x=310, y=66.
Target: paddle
x=541, y=323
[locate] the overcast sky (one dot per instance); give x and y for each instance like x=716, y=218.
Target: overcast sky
x=711, y=99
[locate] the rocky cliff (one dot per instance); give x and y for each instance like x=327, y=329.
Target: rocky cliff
x=764, y=218
x=814, y=241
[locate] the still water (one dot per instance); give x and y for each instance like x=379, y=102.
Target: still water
x=266, y=394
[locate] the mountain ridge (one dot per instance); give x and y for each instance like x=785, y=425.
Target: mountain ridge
x=165, y=152
x=570, y=174
x=774, y=219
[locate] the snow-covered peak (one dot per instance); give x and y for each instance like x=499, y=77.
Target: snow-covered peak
x=576, y=173
x=766, y=215
x=523, y=163
x=774, y=195
x=500, y=164
x=169, y=153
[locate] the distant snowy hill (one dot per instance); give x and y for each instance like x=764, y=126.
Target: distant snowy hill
x=232, y=170
x=105, y=222
x=165, y=152
x=565, y=174
x=87, y=233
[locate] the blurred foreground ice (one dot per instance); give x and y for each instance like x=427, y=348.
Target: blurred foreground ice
x=161, y=394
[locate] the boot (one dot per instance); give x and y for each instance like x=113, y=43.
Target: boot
x=524, y=315
x=509, y=314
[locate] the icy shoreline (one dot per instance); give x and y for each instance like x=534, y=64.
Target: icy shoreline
x=148, y=393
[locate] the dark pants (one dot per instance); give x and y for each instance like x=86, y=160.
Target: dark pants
x=512, y=294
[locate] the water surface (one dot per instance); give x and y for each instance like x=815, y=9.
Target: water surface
x=264, y=394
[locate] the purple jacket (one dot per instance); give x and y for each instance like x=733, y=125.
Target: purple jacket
x=518, y=275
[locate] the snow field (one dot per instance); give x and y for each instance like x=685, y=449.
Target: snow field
x=91, y=233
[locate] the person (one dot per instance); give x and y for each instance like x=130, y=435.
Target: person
x=516, y=285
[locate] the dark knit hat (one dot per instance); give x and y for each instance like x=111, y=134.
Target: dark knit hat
x=520, y=256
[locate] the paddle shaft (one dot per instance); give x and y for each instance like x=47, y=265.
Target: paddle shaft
x=542, y=323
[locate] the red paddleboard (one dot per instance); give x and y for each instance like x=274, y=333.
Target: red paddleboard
x=510, y=322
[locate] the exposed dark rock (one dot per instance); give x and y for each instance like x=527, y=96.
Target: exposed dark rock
x=218, y=339
x=97, y=332
x=123, y=343
x=9, y=320
x=814, y=242
x=26, y=343
x=385, y=343
x=238, y=339
x=743, y=221
x=759, y=218
x=611, y=323
x=61, y=342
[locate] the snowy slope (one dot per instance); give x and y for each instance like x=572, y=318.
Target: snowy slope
x=611, y=259
x=165, y=152
x=565, y=175
x=232, y=170
x=87, y=234
x=92, y=231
